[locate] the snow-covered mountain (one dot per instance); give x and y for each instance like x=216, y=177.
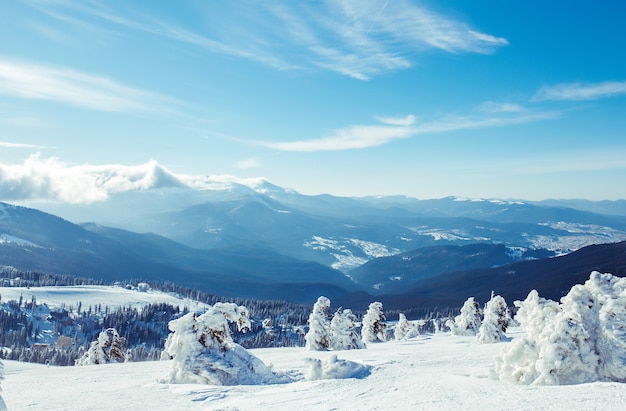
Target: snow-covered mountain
x=250, y=238
x=37, y=241
x=343, y=232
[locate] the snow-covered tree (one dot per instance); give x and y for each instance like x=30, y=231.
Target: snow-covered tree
x=318, y=336
x=495, y=321
x=469, y=321
x=582, y=339
x=203, y=351
x=404, y=329
x=343, y=333
x=374, y=327
x=109, y=347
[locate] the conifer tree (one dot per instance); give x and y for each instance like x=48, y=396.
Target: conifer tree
x=343, y=333
x=469, y=321
x=495, y=322
x=318, y=336
x=374, y=327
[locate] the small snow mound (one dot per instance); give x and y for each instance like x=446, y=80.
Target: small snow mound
x=335, y=369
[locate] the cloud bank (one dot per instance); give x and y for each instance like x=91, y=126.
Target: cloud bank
x=53, y=180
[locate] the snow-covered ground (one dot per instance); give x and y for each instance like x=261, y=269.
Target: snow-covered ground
x=105, y=295
x=440, y=372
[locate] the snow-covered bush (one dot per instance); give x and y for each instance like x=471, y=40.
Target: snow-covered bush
x=495, y=321
x=404, y=329
x=343, y=333
x=469, y=321
x=374, y=327
x=580, y=340
x=334, y=368
x=203, y=351
x=109, y=347
x=318, y=336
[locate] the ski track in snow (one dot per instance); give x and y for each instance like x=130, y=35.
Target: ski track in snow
x=429, y=372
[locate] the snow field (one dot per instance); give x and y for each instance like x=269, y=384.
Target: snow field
x=105, y=295
x=429, y=372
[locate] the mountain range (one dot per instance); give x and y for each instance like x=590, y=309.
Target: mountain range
x=264, y=241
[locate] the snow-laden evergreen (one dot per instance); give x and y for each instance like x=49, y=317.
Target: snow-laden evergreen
x=203, y=352
x=108, y=347
x=495, y=321
x=580, y=340
x=469, y=321
x=343, y=331
x=318, y=336
x=373, y=325
x=404, y=329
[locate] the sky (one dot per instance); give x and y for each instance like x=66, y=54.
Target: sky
x=489, y=99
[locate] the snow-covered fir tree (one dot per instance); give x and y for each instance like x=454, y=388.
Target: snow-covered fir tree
x=582, y=339
x=404, y=329
x=318, y=336
x=203, y=352
x=469, y=321
x=373, y=325
x=343, y=331
x=109, y=347
x=495, y=322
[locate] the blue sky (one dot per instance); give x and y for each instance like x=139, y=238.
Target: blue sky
x=488, y=99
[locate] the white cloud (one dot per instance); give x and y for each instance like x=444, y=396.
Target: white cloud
x=32, y=81
x=51, y=179
x=356, y=137
x=579, y=92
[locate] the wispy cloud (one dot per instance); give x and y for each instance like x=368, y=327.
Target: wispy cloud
x=5, y=144
x=38, y=82
x=347, y=138
x=357, y=38
x=495, y=107
x=248, y=163
x=397, y=121
x=364, y=136
x=365, y=38
x=580, y=92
